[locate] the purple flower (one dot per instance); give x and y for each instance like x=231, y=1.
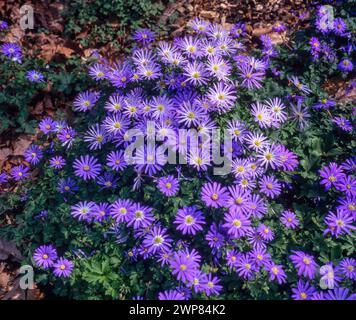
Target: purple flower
x=101, y=212
x=107, y=181
x=63, y=268
x=183, y=268
x=232, y=258
x=57, y=162
x=265, y=232
x=170, y=295
x=45, y=256
x=12, y=51
x=347, y=184
x=157, y=240
x=169, y=185
x=331, y=174
x=67, y=185
x=215, y=237
x=270, y=186
x=66, y=136
x=98, y=72
x=85, y=101
x=34, y=76
x=339, y=294
x=95, y=137
x=3, y=25
x=214, y=195
x=140, y=217
x=121, y=210
x=84, y=210
x=343, y=124
x=304, y=263
x=189, y=220
x=251, y=78
x=324, y=104
x=347, y=267
x=303, y=291
x=116, y=160
x=245, y=267
x=20, y=172
x=33, y=154
x=279, y=27
x=289, y=219
x=339, y=26
x=211, y=285
x=339, y=223
x=276, y=272
x=86, y=167
x=238, y=30
x=345, y=65
x=47, y=125
x=237, y=224
x=329, y=276
x=145, y=36
x=3, y=177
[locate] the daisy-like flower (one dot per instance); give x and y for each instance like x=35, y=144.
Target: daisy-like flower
x=339, y=223
x=276, y=272
x=304, y=263
x=157, y=240
x=211, y=285
x=170, y=295
x=289, y=219
x=279, y=27
x=95, y=137
x=161, y=107
x=115, y=124
x=183, y=268
x=33, y=154
x=238, y=30
x=20, y=172
x=261, y=115
x=190, y=46
x=45, y=256
x=116, y=160
x=198, y=25
x=214, y=195
x=189, y=220
x=102, y=212
x=85, y=101
x=150, y=72
x=67, y=136
x=251, y=78
x=222, y=96
x=347, y=267
x=345, y=65
x=239, y=199
x=288, y=159
x=329, y=277
x=98, y=72
x=149, y=159
x=67, y=185
x=260, y=256
x=276, y=108
x=256, y=207
x=86, y=167
x=63, y=268
x=325, y=104
x=300, y=114
x=140, y=217
x=3, y=25
x=303, y=291
x=331, y=174
x=270, y=157
x=189, y=114
x=265, y=232
x=144, y=36
x=343, y=124
x=237, y=130
x=214, y=237
x=232, y=257
x=115, y=103
x=347, y=184
x=339, y=26
x=47, y=125
x=11, y=50
x=200, y=159
x=84, y=210
x=270, y=186
x=169, y=185
x=237, y=224
x=121, y=210
x=300, y=86
x=245, y=266
x=107, y=181
x=34, y=76
x=57, y=162
x=196, y=73
x=3, y=177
